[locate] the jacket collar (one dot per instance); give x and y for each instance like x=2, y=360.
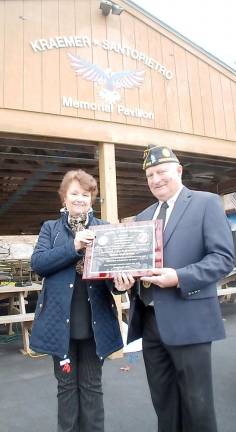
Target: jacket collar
x=180, y=206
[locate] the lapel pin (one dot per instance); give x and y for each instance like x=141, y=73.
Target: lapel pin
x=146, y=284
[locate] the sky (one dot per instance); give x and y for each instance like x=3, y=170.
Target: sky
x=211, y=24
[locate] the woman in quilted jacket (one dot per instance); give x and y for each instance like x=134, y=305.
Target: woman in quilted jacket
x=75, y=320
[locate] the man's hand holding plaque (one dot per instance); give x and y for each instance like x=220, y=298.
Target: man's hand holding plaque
x=163, y=277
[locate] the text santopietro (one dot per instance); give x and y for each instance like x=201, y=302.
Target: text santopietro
x=39, y=45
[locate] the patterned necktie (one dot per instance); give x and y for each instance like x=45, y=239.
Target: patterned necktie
x=78, y=224
x=146, y=290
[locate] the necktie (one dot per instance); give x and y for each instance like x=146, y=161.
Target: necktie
x=146, y=290
x=162, y=214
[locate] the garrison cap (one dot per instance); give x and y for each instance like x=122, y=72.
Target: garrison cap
x=155, y=155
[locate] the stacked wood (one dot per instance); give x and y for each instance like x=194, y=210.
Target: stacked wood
x=19, y=247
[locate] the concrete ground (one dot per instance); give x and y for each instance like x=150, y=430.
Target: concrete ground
x=28, y=389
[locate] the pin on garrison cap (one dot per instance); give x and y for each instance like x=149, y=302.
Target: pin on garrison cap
x=155, y=155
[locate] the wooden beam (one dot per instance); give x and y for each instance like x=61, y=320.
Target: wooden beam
x=108, y=194
x=24, y=188
x=41, y=124
x=61, y=160
x=107, y=177
x=22, y=170
x=32, y=138
x=48, y=158
x=47, y=144
x=227, y=186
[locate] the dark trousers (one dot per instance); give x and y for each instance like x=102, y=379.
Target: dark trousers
x=80, y=396
x=180, y=381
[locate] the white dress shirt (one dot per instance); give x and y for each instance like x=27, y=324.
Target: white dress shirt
x=171, y=203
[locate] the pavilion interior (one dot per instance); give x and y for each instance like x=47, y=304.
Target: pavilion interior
x=31, y=169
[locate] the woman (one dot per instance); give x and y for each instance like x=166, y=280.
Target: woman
x=75, y=320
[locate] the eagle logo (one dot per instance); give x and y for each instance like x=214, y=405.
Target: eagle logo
x=110, y=81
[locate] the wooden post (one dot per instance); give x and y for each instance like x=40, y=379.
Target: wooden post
x=25, y=334
x=107, y=178
x=109, y=209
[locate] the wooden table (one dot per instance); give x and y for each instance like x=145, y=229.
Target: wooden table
x=223, y=288
x=19, y=293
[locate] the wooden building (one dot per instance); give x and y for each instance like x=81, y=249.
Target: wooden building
x=81, y=89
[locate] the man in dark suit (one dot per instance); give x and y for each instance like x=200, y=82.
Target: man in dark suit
x=176, y=310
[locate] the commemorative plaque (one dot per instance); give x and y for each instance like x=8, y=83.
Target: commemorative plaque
x=132, y=247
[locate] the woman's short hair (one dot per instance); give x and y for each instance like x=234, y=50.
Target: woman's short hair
x=86, y=181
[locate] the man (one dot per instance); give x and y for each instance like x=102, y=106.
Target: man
x=178, y=314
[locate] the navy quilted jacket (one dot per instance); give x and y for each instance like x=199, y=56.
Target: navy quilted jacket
x=54, y=258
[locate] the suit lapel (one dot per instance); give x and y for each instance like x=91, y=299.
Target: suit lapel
x=180, y=206
x=148, y=213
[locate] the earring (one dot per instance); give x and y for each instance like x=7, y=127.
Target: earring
x=64, y=210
